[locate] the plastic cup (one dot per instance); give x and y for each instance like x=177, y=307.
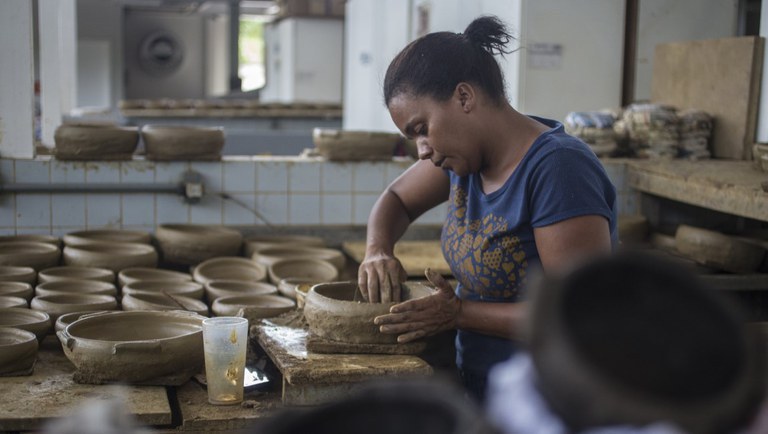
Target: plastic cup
x=225, y=340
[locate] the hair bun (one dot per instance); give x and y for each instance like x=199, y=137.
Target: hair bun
x=490, y=33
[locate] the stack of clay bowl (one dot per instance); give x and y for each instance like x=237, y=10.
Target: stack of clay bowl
x=95, y=142
x=56, y=274
x=17, y=290
x=271, y=255
x=9, y=273
x=186, y=244
x=82, y=238
x=111, y=249
x=166, y=142
x=256, y=242
x=30, y=320
x=32, y=254
x=18, y=352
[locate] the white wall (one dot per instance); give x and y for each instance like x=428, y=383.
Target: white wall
x=94, y=73
x=102, y=21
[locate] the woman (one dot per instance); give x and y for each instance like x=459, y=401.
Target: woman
x=522, y=195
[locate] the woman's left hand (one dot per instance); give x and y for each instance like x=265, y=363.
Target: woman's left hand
x=426, y=316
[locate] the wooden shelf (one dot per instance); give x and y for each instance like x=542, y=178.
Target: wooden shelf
x=732, y=187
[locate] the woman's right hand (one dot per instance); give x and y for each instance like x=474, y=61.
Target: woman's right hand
x=380, y=277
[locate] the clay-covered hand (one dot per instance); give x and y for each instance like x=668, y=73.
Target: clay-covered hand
x=380, y=277
x=424, y=316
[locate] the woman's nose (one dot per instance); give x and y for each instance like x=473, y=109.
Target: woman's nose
x=423, y=149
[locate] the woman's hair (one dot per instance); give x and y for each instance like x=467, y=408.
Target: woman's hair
x=435, y=63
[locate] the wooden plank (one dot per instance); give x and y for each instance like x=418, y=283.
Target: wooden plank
x=719, y=76
x=731, y=187
x=415, y=256
x=28, y=403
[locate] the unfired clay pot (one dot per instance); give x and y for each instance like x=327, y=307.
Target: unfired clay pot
x=229, y=268
x=9, y=273
x=77, y=273
x=163, y=302
x=341, y=145
x=10, y=301
x=333, y=313
x=136, y=274
x=95, y=142
x=186, y=244
x=75, y=287
x=59, y=304
x=16, y=289
x=260, y=306
x=168, y=142
x=29, y=254
x=142, y=347
x=226, y=288
x=81, y=238
x=185, y=289
x=256, y=242
x=271, y=255
x=316, y=270
x=18, y=352
x=30, y=320
x=114, y=257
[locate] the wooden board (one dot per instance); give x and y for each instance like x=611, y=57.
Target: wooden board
x=416, y=256
x=28, y=403
x=719, y=76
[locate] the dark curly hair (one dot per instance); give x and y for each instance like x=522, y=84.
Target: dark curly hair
x=435, y=63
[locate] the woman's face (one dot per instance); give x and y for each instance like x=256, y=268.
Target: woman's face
x=440, y=129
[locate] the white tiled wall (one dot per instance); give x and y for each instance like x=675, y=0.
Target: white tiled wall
x=281, y=190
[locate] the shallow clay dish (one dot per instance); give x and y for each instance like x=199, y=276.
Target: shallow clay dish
x=191, y=244
x=9, y=273
x=99, y=142
x=229, y=268
x=115, y=257
x=256, y=242
x=18, y=352
x=316, y=270
x=35, y=238
x=340, y=145
x=181, y=288
x=271, y=255
x=259, y=306
x=143, y=347
x=163, y=302
x=68, y=318
x=137, y=274
x=59, y=304
x=10, y=301
x=82, y=238
x=332, y=312
x=226, y=288
x=168, y=142
x=76, y=273
x=717, y=250
x=76, y=287
x=16, y=289
x=29, y=254
x=30, y=320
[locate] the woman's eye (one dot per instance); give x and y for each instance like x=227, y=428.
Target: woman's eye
x=421, y=131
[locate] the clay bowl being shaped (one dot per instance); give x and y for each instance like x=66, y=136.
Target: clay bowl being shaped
x=82, y=238
x=316, y=270
x=30, y=320
x=95, y=142
x=215, y=289
x=259, y=306
x=9, y=273
x=256, y=242
x=186, y=289
x=68, y=318
x=142, y=347
x=332, y=312
x=340, y=145
x=35, y=238
x=59, y=304
x=115, y=257
x=169, y=142
x=130, y=275
x=29, y=254
x=76, y=273
x=287, y=286
x=16, y=289
x=18, y=352
x=163, y=302
x=271, y=255
x=76, y=287
x=10, y=301
x=192, y=244
x=229, y=268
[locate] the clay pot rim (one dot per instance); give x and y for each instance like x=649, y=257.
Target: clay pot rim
x=86, y=299
x=14, y=299
x=59, y=285
x=15, y=270
x=79, y=238
x=148, y=298
x=187, y=230
x=63, y=272
x=235, y=300
x=12, y=284
x=17, y=336
x=117, y=316
x=134, y=274
x=140, y=285
x=317, y=291
x=35, y=238
x=115, y=249
x=216, y=284
x=27, y=248
x=186, y=128
x=38, y=316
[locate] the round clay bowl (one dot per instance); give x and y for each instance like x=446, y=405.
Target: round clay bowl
x=163, y=302
x=191, y=244
x=82, y=238
x=113, y=257
x=602, y=333
x=9, y=273
x=187, y=289
x=68, y=318
x=227, y=288
x=76, y=287
x=35, y=238
x=59, y=304
x=287, y=286
x=317, y=270
x=95, y=141
x=717, y=250
x=142, y=347
x=10, y=301
x=29, y=254
x=259, y=306
x=170, y=142
x=348, y=145
x=16, y=289
x=76, y=273
x=229, y=268
x=332, y=313
x=256, y=242
x=130, y=275
x=30, y=320
x=271, y=255
x=18, y=352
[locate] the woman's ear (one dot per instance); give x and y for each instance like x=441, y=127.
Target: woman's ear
x=465, y=93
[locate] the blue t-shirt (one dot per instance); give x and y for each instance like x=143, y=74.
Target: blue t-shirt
x=488, y=238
